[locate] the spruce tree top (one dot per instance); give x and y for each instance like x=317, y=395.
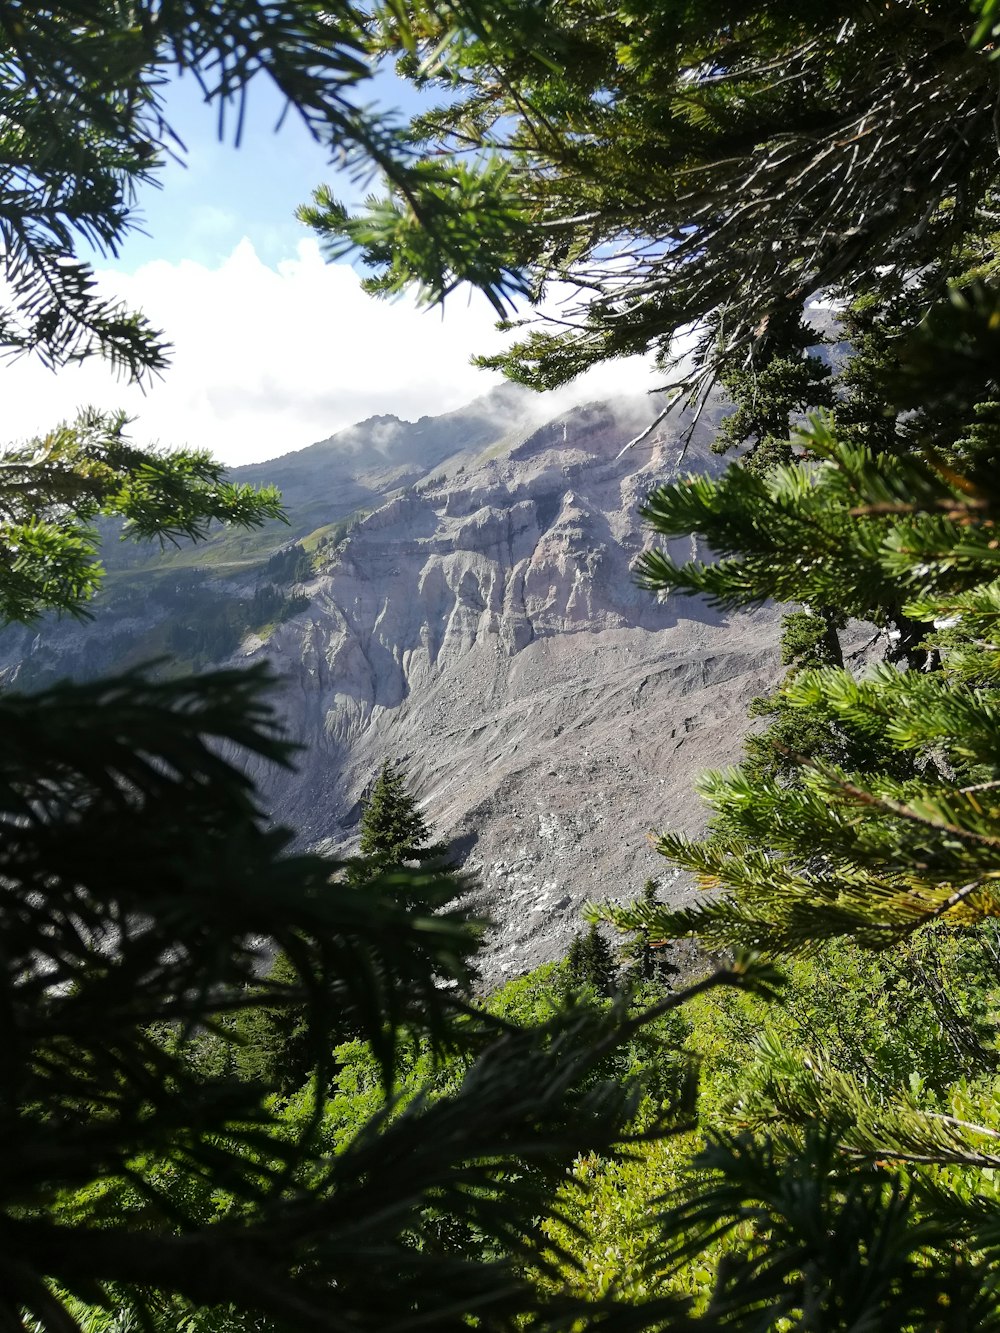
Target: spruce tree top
x=393, y=830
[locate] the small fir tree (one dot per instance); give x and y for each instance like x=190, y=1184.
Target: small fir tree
x=591, y=962
x=393, y=828
x=644, y=956
x=776, y=383
x=574, y=965
x=273, y=1041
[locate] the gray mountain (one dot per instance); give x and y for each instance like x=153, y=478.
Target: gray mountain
x=470, y=611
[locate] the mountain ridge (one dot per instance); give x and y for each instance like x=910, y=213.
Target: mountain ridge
x=480, y=623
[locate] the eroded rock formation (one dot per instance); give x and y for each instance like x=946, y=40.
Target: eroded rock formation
x=485, y=628
x=480, y=622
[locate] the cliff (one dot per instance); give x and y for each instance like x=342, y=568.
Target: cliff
x=484, y=628
x=479, y=622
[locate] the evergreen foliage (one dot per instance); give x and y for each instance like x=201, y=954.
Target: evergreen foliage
x=143, y=1169
x=690, y=166
x=882, y=853
x=681, y=164
x=271, y=1045
x=811, y=641
x=590, y=963
x=211, y=625
x=769, y=389
x=139, y=885
x=53, y=489
x=645, y=958
x=89, y=78
x=275, y=1041
x=394, y=831
x=393, y=828
x=292, y=564
x=840, y=851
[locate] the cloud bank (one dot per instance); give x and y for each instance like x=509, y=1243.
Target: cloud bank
x=267, y=360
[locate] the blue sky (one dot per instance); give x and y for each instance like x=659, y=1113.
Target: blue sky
x=273, y=348
x=219, y=193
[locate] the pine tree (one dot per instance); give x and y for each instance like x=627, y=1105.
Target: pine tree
x=575, y=963
x=394, y=834
x=272, y=1044
x=794, y=734
x=394, y=831
x=878, y=855
x=393, y=828
x=691, y=167
x=644, y=955
x=836, y=853
x=771, y=388
x=141, y=882
x=590, y=963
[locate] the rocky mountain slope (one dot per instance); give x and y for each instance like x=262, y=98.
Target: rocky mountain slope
x=479, y=622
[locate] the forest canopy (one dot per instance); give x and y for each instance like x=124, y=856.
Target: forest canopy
x=677, y=165
x=540, y=1160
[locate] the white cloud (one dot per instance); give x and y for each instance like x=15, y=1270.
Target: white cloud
x=268, y=360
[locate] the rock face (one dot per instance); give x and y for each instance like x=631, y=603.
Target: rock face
x=484, y=628
x=482, y=625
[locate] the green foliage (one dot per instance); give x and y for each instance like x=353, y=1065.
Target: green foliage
x=810, y=641
x=53, y=489
x=181, y=621
x=770, y=389
x=270, y=1045
x=846, y=852
x=861, y=1044
x=89, y=79
x=818, y=533
x=393, y=828
x=590, y=963
x=274, y=1041
x=920, y=1016
x=458, y=223
x=96, y=972
x=807, y=640
x=448, y=1178
x=822, y=1241
x=292, y=564
x=392, y=825
x=215, y=623
x=684, y=166
x=645, y=958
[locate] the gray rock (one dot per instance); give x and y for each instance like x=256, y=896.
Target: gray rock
x=484, y=627
x=552, y=716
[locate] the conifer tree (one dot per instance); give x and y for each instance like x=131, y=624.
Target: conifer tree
x=590, y=962
x=393, y=828
x=394, y=831
x=769, y=389
x=141, y=882
x=645, y=958
x=116, y=1148
x=877, y=854
x=575, y=964
x=833, y=854
x=692, y=167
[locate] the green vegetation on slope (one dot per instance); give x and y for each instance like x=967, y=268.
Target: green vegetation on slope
x=526, y=1163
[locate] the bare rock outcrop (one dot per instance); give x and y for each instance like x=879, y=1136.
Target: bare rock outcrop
x=481, y=623
x=485, y=628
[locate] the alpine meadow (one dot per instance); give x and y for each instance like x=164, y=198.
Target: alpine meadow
x=250, y=1087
